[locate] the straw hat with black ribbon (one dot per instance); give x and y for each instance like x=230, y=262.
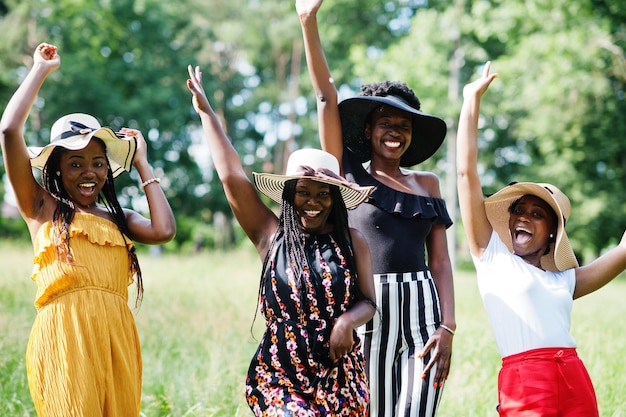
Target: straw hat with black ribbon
x=74, y=131
x=561, y=256
x=428, y=131
x=313, y=164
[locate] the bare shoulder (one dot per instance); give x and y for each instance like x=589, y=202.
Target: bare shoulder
x=44, y=206
x=131, y=214
x=357, y=237
x=42, y=212
x=424, y=182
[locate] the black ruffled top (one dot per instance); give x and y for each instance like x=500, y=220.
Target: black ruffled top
x=394, y=223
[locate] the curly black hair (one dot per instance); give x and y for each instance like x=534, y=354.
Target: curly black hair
x=395, y=88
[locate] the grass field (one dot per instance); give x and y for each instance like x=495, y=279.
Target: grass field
x=196, y=330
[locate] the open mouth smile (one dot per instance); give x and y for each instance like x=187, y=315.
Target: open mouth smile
x=87, y=187
x=392, y=143
x=522, y=235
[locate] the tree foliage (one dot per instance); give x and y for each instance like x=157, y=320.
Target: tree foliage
x=555, y=114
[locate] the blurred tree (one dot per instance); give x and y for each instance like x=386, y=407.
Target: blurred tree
x=123, y=61
x=555, y=114
x=558, y=116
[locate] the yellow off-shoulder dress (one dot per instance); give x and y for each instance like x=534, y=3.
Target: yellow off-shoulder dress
x=83, y=356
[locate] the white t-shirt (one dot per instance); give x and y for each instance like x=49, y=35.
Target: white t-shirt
x=528, y=308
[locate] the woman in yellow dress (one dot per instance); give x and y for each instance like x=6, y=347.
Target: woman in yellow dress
x=83, y=355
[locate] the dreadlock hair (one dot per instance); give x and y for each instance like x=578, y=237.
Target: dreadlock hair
x=392, y=88
x=65, y=210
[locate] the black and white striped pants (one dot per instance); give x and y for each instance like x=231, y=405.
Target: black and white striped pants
x=392, y=340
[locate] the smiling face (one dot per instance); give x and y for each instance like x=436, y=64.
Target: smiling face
x=84, y=173
x=313, y=204
x=531, y=223
x=389, y=131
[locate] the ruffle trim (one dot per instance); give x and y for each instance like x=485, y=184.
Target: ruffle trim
x=95, y=229
x=397, y=202
x=410, y=205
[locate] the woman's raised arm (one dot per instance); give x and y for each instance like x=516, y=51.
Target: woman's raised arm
x=471, y=202
x=325, y=92
x=256, y=219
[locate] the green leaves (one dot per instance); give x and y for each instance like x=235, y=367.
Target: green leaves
x=554, y=114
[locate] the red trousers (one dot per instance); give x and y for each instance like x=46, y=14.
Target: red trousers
x=548, y=382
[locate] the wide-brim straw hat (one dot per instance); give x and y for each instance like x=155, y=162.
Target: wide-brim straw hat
x=313, y=164
x=561, y=256
x=74, y=131
x=428, y=131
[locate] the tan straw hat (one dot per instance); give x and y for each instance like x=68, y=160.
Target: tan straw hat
x=316, y=165
x=561, y=256
x=74, y=131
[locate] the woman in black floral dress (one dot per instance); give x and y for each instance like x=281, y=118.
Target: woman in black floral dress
x=316, y=284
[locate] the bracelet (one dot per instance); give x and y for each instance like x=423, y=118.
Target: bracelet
x=443, y=326
x=150, y=181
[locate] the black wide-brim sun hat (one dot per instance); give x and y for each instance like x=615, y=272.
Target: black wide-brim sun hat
x=428, y=131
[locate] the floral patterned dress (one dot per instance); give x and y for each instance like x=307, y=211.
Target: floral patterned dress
x=291, y=373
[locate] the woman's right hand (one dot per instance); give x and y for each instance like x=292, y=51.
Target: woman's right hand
x=47, y=56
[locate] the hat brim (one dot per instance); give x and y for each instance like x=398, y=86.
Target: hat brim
x=561, y=255
x=429, y=131
x=120, y=150
x=272, y=185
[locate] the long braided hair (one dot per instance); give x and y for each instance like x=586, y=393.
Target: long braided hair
x=65, y=210
x=289, y=227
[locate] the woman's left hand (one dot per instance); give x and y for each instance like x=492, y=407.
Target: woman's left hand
x=141, y=154
x=440, y=345
x=341, y=340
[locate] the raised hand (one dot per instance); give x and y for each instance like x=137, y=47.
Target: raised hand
x=47, y=56
x=305, y=8
x=199, y=98
x=141, y=153
x=478, y=87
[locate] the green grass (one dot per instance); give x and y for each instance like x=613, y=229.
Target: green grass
x=195, y=327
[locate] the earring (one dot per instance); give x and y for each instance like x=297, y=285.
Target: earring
x=551, y=236
x=58, y=173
